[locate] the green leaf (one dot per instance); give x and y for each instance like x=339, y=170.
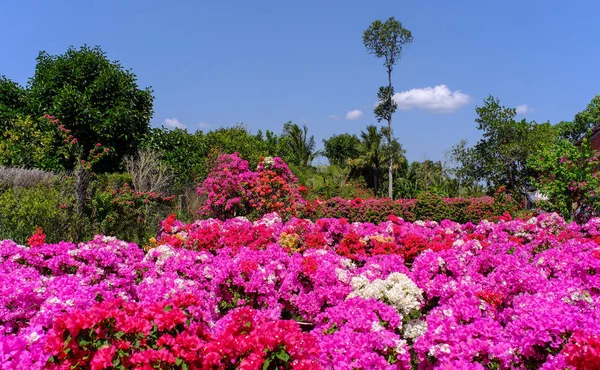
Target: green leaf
x=266, y=364
x=168, y=308
x=283, y=355
x=67, y=340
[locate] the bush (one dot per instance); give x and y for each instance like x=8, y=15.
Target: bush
x=36, y=143
x=31, y=199
x=148, y=172
x=430, y=206
x=129, y=214
x=183, y=152
x=226, y=189
x=50, y=207
x=275, y=189
x=425, y=207
x=233, y=190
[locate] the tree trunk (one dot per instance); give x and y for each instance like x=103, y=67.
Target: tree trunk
x=82, y=182
x=375, y=180
x=511, y=178
x=390, y=178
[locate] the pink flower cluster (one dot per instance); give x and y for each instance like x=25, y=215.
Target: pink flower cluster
x=232, y=189
x=305, y=295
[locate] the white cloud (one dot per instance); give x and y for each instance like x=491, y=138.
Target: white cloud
x=354, y=114
x=203, y=125
x=437, y=99
x=332, y=117
x=174, y=123
x=524, y=109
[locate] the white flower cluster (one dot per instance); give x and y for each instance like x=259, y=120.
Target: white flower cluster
x=396, y=290
x=268, y=162
x=162, y=253
x=342, y=275
x=439, y=348
x=415, y=328
x=268, y=220
x=552, y=220
x=577, y=296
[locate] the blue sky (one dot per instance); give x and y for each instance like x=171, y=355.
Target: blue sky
x=215, y=63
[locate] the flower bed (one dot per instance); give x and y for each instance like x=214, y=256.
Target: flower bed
x=303, y=295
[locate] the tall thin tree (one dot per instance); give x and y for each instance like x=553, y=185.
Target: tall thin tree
x=386, y=40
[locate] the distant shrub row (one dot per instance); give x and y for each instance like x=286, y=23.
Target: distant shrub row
x=424, y=207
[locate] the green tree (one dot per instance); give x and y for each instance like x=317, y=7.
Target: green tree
x=584, y=121
x=500, y=157
x=386, y=40
x=300, y=144
x=13, y=100
x=370, y=156
x=425, y=177
x=567, y=175
x=588, y=118
x=275, y=146
x=185, y=153
x=238, y=139
x=339, y=149
x=97, y=99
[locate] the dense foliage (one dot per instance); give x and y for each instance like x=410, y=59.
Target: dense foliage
x=424, y=207
x=97, y=99
x=568, y=176
x=77, y=206
x=500, y=157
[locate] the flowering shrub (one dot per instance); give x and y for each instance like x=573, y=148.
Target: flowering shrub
x=129, y=214
x=232, y=189
x=275, y=189
x=227, y=188
x=166, y=335
x=426, y=207
x=249, y=340
x=70, y=146
x=397, y=290
x=362, y=334
x=513, y=294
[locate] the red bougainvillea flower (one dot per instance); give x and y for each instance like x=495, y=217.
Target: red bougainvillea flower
x=38, y=238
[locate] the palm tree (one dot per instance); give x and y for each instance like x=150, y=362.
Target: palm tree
x=301, y=145
x=371, y=156
x=406, y=182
